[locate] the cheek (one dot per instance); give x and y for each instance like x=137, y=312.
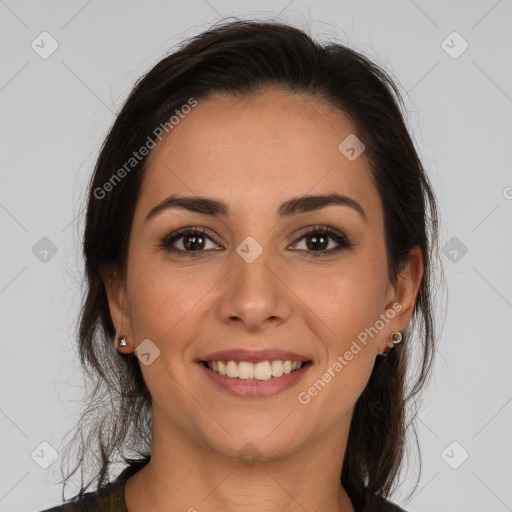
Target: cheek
x=345, y=304
x=164, y=302
x=347, y=299
x=341, y=308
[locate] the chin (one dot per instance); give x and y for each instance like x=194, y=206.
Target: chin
x=250, y=449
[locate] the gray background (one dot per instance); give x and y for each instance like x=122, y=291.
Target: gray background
x=57, y=110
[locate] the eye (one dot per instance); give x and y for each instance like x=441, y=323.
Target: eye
x=192, y=241
x=316, y=239
x=188, y=240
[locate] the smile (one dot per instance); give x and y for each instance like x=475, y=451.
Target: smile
x=254, y=380
x=262, y=370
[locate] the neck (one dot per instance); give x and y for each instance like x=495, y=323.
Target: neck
x=184, y=475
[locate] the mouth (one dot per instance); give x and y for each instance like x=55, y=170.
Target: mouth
x=259, y=371
x=254, y=374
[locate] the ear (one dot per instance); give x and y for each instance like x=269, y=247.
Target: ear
x=115, y=289
x=402, y=294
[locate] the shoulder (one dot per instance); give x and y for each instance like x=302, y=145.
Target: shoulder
x=374, y=503
x=109, y=498
x=388, y=506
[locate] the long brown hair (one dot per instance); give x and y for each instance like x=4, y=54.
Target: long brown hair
x=241, y=57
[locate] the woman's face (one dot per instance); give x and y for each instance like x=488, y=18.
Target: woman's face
x=251, y=282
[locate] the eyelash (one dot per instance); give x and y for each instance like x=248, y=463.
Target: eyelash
x=338, y=237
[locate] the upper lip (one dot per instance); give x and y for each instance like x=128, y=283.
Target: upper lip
x=254, y=356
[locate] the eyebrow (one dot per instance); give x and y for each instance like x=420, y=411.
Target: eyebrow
x=303, y=204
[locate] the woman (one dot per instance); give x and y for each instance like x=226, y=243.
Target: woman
x=259, y=245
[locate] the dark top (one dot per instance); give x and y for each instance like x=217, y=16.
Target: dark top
x=110, y=498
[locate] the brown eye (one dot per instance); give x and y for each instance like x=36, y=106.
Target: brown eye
x=318, y=239
x=188, y=240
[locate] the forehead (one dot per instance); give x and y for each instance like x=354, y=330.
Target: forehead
x=262, y=148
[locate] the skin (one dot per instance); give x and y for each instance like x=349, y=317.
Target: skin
x=254, y=155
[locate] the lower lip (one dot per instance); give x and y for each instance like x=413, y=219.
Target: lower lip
x=253, y=388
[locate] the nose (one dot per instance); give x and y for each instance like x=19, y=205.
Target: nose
x=254, y=294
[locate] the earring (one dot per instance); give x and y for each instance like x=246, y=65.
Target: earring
x=122, y=341
x=395, y=337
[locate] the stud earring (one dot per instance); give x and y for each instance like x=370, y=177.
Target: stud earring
x=394, y=338
x=122, y=341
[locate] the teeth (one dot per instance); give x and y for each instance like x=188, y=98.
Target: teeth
x=277, y=368
x=264, y=370
x=245, y=370
x=232, y=369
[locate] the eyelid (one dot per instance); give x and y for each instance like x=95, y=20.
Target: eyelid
x=178, y=233
x=338, y=236
x=320, y=228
